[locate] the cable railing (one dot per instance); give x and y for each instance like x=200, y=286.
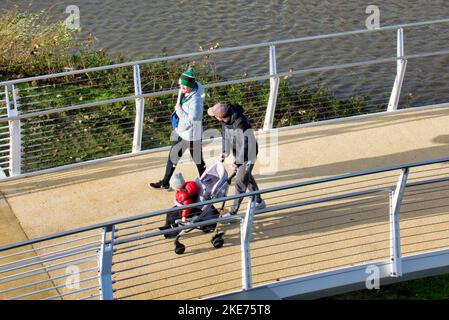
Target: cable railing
x=308, y=227
x=124, y=109
x=52, y=271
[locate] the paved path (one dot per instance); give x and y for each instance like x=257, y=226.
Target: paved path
x=285, y=244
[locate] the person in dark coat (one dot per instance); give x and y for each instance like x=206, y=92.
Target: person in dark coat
x=238, y=137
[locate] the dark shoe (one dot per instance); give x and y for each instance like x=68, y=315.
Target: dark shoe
x=208, y=228
x=159, y=186
x=170, y=235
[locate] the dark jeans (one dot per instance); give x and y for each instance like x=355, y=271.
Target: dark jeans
x=177, y=149
x=171, y=217
x=244, y=180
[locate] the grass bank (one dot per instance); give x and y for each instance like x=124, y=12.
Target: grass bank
x=431, y=288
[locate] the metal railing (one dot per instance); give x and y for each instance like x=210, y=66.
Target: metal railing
x=66, y=269
x=109, y=259
x=71, y=117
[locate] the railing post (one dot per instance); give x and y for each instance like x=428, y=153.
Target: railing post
x=400, y=73
x=105, y=263
x=395, y=235
x=15, y=135
x=246, y=227
x=274, y=88
x=138, y=125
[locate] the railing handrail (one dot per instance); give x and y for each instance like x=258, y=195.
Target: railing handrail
x=228, y=198
x=229, y=82
x=229, y=49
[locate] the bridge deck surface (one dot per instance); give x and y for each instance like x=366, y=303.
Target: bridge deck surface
x=284, y=243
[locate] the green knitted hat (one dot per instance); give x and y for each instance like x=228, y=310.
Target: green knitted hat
x=188, y=78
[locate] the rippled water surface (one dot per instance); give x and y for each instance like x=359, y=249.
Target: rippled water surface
x=142, y=28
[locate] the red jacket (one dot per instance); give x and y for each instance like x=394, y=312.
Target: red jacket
x=187, y=195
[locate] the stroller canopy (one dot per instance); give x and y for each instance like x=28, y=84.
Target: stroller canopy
x=212, y=179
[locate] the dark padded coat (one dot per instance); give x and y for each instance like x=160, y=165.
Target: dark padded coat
x=238, y=136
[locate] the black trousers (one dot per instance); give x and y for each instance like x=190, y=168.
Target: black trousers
x=177, y=149
x=171, y=217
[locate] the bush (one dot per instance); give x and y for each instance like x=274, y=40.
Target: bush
x=30, y=44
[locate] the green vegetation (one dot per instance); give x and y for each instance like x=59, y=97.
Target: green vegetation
x=33, y=45
x=421, y=289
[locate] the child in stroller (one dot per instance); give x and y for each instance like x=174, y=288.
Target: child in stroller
x=186, y=193
x=212, y=184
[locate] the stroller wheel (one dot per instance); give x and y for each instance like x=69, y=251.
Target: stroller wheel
x=179, y=248
x=217, y=241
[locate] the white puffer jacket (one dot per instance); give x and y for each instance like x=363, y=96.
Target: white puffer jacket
x=190, y=126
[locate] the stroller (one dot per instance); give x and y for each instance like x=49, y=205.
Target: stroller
x=213, y=183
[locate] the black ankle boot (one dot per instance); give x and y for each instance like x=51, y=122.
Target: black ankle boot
x=160, y=185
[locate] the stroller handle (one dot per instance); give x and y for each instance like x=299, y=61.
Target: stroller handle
x=229, y=182
x=232, y=176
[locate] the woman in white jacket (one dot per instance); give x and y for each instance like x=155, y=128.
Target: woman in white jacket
x=187, y=121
